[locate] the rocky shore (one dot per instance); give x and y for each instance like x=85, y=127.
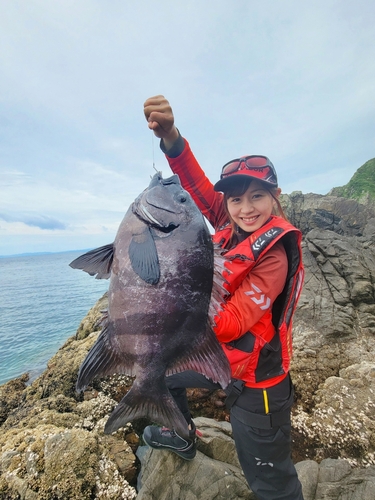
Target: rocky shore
x=52, y=441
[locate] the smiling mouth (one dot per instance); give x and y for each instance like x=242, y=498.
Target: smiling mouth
x=250, y=219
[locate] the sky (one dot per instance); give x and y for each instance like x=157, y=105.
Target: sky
x=291, y=80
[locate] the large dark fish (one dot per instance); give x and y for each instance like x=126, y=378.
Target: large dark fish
x=161, y=275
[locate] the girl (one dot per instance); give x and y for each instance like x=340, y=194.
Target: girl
x=263, y=274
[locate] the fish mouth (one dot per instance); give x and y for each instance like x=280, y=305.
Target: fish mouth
x=143, y=213
x=161, y=205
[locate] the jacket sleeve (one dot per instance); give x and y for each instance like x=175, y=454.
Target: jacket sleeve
x=254, y=298
x=195, y=181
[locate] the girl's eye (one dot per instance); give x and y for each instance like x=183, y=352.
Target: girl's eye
x=235, y=200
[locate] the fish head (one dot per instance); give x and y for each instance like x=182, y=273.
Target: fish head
x=164, y=205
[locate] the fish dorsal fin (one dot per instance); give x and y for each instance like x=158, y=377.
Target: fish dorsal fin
x=219, y=293
x=96, y=262
x=144, y=256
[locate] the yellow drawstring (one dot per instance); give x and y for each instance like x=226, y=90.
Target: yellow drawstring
x=265, y=398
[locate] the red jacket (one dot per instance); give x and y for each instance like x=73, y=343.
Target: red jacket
x=264, y=283
x=261, y=356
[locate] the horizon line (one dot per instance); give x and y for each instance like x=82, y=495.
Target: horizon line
x=27, y=254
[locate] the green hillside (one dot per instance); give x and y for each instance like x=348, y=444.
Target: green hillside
x=361, y=186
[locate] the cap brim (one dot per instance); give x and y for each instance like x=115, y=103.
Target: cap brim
x=231, y=181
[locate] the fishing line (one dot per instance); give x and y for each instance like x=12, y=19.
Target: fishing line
x=153, y=152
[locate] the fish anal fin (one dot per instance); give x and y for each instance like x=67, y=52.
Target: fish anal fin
x=148, y=401
x=102, y=360
x=96, y=262
x=144, y=257
x=207, y=358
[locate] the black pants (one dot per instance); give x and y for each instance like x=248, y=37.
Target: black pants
x=264, y=454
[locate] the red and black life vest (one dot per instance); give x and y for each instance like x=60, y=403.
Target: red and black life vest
x=262, y=361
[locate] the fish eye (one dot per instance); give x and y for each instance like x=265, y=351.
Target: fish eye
x=182, y=198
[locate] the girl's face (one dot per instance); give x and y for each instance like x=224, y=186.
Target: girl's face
x=253, y=208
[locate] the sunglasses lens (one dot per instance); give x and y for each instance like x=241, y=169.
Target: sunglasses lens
x=249, y=162
x=230, y=167
x=256, y=161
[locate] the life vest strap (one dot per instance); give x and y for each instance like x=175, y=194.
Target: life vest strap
x=236, y=389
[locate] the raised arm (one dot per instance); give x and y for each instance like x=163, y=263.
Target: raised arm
x=159, y=115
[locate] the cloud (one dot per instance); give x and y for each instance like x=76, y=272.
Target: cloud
x=40, y=221
x=292, y=80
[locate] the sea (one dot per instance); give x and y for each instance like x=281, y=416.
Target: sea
x=42, y=302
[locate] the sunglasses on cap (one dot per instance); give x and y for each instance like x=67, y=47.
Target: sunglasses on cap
x=259, y=167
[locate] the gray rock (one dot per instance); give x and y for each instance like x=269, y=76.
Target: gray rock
x=215, y=472
x=216, y=441
x=166, y=476
x=325, y=212
x=333, y=470
x=337, y=481
x=334, y=325
x=308, y=473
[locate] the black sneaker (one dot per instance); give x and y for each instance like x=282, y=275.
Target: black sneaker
x=163, y=438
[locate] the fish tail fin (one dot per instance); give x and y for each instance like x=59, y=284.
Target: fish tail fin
x=101, y=360
x=157, y=404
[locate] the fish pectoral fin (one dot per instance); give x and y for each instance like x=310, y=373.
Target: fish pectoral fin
x=144, y=256
x=102, y=360
x=96, y=262
x=153, y=401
